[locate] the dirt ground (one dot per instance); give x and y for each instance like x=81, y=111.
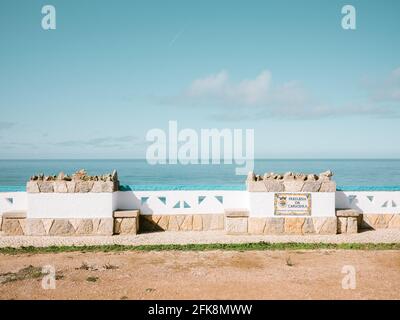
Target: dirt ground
x=203, y=275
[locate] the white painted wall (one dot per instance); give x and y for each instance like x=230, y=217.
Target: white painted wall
x=70, y=205
x=369, y=201
x=13, y=201
x=261, y=204
x=209, y=205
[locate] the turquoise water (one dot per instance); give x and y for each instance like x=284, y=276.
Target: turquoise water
x=138, y=175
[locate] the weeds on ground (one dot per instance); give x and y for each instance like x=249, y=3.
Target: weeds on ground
x=204, y=247
x=109, y=266
x=88, y=267
x=92, y=279
x=84, y=266
x=289, y=262
x=29, y=272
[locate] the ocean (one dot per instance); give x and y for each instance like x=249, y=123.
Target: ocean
x=347, y=173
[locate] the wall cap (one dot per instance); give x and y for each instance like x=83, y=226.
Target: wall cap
x=236, y=213
x=14, y=215
x=348, y=213
x=126, y=214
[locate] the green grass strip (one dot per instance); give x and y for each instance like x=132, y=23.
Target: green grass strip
x=204, y=247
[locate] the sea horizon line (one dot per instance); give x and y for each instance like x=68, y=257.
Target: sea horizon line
x=199, y=159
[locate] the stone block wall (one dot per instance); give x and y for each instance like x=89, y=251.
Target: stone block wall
x=183, y=222
x=126, y=222
x=348, y=220
x=238, y=221
x=56, y=227
x=292, y=225
x=79, y=182
x=347, y=225
x=291, y=182
x=380, y=221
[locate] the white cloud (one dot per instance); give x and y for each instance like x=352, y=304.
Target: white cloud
x=254, y=91
x=212, y=86
x=219, y=86
x=389, y=89
x=248, y=92
x=260, y=98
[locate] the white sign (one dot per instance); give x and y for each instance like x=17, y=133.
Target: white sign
x=292, y=204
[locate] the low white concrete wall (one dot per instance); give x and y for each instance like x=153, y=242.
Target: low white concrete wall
x=13, y=201
x=262, y=204
x=181, y=201
x=369, y=201
x=100, y=205
x=70, y=205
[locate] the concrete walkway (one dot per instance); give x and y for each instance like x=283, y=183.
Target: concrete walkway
x=189, y=237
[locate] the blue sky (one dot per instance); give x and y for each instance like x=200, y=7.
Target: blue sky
x=112, y=70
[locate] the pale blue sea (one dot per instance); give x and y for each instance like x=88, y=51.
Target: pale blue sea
x=349, y=174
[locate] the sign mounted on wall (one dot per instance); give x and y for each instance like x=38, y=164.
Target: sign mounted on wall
x=298, y=204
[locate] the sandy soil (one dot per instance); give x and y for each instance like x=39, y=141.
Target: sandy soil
x=205, y=275
x=179, y=237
